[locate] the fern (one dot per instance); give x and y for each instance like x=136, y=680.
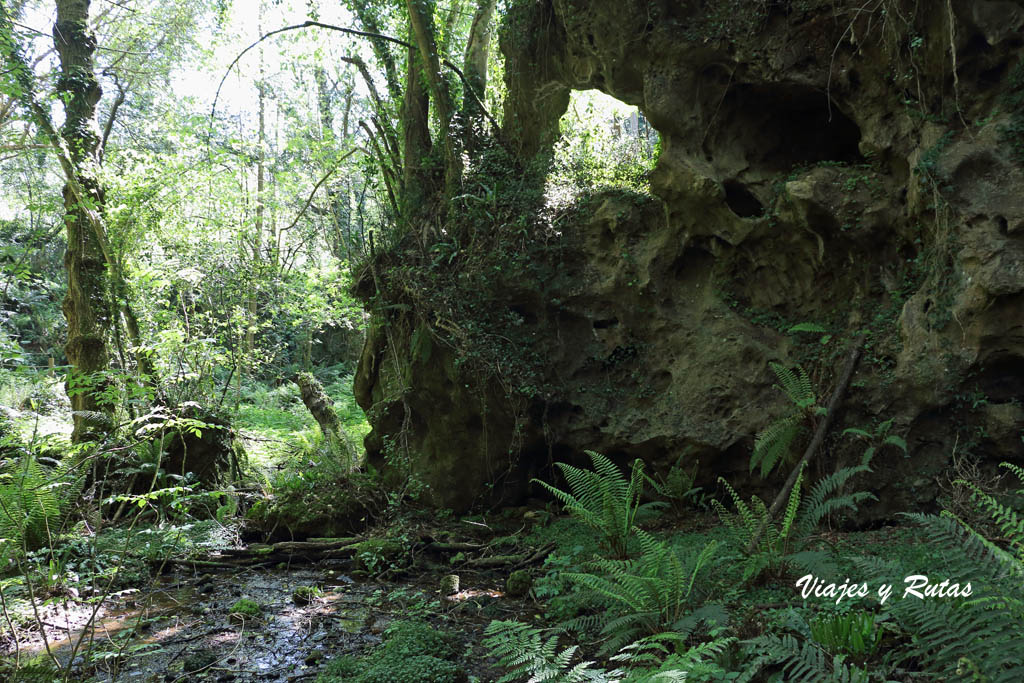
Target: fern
x=807, y=327
x=783, y=543
x=605, y=500
x=774, y=444
x=795, y=384
x=802, y=660
x=33, y=504
x=879, y=439
x=656, y=592
x=528, y=655
x=677, y=486
x=853, y=634
x=977, y=638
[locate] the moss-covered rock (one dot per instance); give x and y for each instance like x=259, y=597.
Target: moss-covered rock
x=316, y=508
x=412, y=652
x=799, y=184
x=245, y=609
x=519, y=583
x=304, y=595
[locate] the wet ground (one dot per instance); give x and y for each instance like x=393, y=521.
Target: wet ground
x=182, y=629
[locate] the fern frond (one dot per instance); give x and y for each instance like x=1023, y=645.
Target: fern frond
x=820, y=504
x=604, y=499
x=774, y=443
x=804, y=661
x=807, y=327
x=792, y=505
x=523, y=650
x=796, y=385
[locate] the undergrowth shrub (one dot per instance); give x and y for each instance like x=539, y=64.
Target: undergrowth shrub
x=412, y=652
x=977, y=637
x=676, y=486
x=775, y=443
x=34, y=503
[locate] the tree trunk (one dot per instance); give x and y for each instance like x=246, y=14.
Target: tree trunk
x=85, y=305
x=421, y=22
x=416, y=182
x=477, y=53
x=321, y=407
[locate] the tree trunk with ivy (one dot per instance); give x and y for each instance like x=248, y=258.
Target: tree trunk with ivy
x=86, y=304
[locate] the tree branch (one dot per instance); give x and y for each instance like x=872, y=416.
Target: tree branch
x=353, y=32
x=812, y=448
x=109, y=125
x=317, y=187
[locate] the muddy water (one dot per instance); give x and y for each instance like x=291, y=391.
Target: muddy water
x=182, y=631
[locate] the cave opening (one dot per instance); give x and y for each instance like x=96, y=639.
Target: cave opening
x=1002, y=378
x=762, y=130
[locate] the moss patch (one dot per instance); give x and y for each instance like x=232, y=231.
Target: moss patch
x=413, y=652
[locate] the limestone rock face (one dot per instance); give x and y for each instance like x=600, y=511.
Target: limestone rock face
x=819, y=163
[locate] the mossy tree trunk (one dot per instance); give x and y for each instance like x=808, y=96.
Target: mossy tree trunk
x=86, y=305
x=321, y=407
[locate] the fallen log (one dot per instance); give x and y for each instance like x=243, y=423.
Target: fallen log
x=259, y=554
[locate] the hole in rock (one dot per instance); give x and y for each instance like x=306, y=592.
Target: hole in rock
x=606, y=323
x=772, y=128
x=741, y=200
x=604, y=143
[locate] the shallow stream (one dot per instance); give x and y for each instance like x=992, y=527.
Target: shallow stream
x=181, y=629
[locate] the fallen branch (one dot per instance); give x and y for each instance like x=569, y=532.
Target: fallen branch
x=514, y=561
x=812, y=448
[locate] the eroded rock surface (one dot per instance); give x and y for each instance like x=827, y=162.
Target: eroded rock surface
x=820, y=162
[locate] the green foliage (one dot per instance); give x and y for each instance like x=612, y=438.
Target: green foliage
x=783, y=544
x=978, y=637
x=529, y=655
x=803, y=661
x=412, y=652
x=877, y=440
x=661, y=590
x=597, y=149
x=854, y=634
x=377, y=555
x=39, y=670
x=34, y=503
x=575, y=543
x=605, y=500
x=775, y=443
x=526, y=653
x=677, y=485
